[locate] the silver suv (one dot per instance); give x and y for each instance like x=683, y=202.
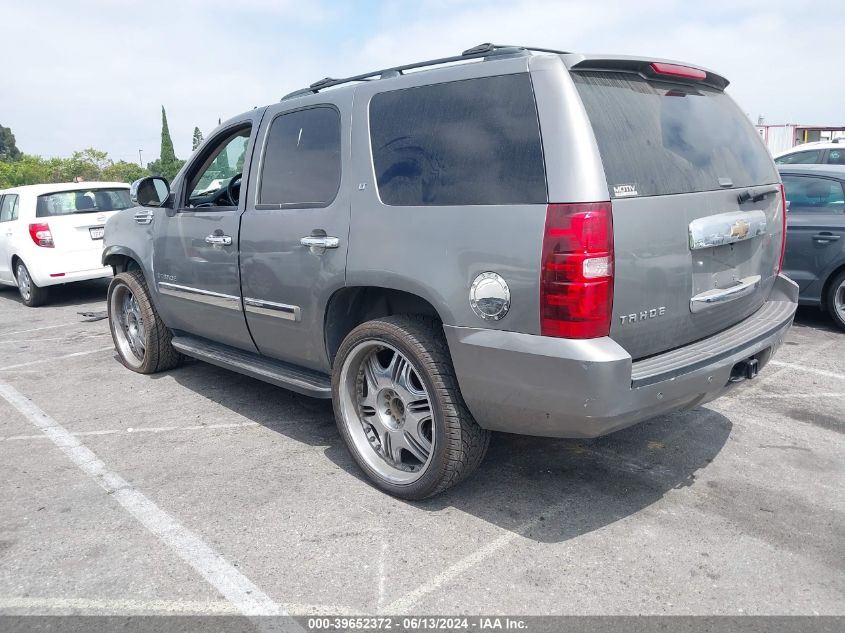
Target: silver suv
x=511, y=239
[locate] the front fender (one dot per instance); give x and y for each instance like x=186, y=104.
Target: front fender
x=124, y=237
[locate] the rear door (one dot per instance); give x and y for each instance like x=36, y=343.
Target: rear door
x=294, y=231
x=815, y=239
x=8, y=217
x=690, y=258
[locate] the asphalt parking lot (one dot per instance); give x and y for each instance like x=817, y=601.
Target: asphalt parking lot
x=205, y=492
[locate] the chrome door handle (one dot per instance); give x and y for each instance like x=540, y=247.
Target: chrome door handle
x=710, y=298
x=315, y=241
x=222, y=240
x=826, y=237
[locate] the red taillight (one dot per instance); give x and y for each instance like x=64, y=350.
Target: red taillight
x=40, y=234
x=675, y=70
x=783, y=221
x=576, y=270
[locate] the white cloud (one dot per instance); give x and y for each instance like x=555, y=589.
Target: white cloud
x=94, y=73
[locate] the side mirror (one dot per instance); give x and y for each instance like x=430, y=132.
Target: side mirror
x=152, y=191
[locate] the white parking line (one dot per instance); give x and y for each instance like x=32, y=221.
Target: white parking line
x=236, y=587
x=809, y=370
x=49, y=360
x=410, y=599
x=133, y=431
x=38, y=329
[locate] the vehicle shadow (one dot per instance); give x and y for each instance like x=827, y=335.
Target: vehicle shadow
x=813, y=317
x=77, y=293
x=548, y=490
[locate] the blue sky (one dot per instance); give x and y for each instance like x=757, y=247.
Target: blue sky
x=95, y=72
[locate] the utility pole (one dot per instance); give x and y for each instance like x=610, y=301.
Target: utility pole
x=140, y=160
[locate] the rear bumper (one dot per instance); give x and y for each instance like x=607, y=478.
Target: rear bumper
x=79, y=266
x=535, y=385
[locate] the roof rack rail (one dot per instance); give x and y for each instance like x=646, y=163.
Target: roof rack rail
x=482, y=50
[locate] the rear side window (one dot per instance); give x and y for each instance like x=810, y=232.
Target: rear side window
x=471, y=142
x=660, y=138
x=9, y=208
x=836, y=156
x=82, y=201
x=810, y=157
x=814, y=195
x=302, y=159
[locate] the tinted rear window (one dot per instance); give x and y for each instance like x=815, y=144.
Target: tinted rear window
x=467, y=142
x=659, y=138
x=82, y=201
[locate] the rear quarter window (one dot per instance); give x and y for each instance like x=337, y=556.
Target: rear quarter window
x=659, y=138
x=470, y=142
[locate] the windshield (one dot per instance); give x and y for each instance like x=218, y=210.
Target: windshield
x=658, y=138
x=82, y=201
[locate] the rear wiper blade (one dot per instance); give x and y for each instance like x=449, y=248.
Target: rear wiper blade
x=755, y=195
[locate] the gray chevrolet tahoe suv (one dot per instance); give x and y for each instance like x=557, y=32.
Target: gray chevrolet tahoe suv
x=511, y=239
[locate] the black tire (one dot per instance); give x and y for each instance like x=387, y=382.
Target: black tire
x=460, y=443
x=31, y=294
x=158, y=352
x=837, y=286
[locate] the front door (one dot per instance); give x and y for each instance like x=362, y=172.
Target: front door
x=295, y=227
x=196, y=242
x=815, y=238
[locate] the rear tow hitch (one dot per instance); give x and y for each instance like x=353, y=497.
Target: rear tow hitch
x=744, y=369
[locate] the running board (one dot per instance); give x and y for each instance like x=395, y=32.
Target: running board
x=276, y=372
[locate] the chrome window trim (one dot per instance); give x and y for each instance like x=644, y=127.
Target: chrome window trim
x=270, y=308
x=199, y=295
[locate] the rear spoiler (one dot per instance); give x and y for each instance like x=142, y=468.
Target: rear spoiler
x=647, y=68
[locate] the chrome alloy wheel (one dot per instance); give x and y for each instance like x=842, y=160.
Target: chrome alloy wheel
x=387, y=411
x=839, y=300
x=24, y=282
x=127, y=325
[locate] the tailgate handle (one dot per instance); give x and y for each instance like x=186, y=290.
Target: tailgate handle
x=826, y=236
x=718, y=296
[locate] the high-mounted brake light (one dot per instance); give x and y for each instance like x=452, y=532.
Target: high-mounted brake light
x=576, y=270
x=41, y=235
x=783, y=222
x=675, y=70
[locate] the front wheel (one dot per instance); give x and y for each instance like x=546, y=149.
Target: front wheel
x=399, y=408
x=836, y=300
x=141, y=338
x=32, y=294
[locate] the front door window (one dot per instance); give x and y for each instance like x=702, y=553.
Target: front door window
x=216, y=182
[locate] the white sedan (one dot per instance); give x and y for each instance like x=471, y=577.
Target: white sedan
x=53, y=234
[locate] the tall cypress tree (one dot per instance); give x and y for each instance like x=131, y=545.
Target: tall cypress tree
x=197, y=139
x=167, y=155
x=167, y=164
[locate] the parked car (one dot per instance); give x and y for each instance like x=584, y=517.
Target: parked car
x=534, y=242
x=818, y=153
x=815, y=239
x=52, y=234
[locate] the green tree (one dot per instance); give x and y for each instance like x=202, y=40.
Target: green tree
x=8, y=149
x=167, y=164
x=123, y=171
x=197, y=139
x=88, y=164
